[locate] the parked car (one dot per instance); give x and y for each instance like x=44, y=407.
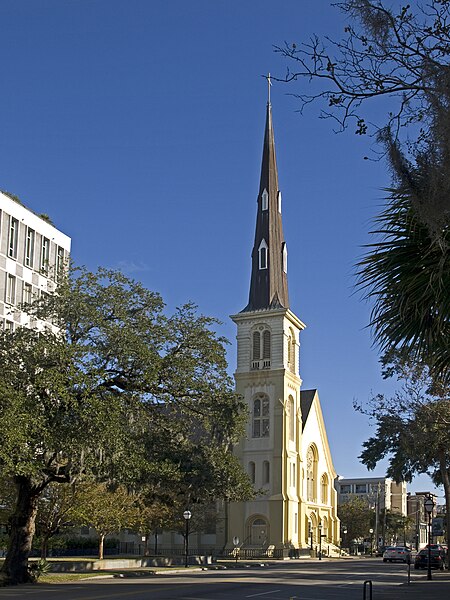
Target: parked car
x=437, y=559
x=380, y=550
x=394, y=553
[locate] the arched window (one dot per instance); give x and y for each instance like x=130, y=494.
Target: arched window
x=252, y=471
x=261, y=417
x=324, y=488
x=262, y=253
x=291, y=418
x=325, y=532
x=266, y=472
x=311, y=474
x=284, y=257
x=256, y=345
x=266, y=349
x=264, y=200
x=308, y=530
x=261, y=348
x=291, y=351
x=279, y=201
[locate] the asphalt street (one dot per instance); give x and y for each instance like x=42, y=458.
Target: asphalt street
x=293, y=580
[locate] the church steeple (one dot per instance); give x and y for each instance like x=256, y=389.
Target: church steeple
x=268, y=285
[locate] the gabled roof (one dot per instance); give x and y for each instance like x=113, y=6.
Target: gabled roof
x=268, y=286
x=306, y=401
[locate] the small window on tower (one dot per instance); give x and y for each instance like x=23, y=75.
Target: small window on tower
x=264, y=200
x=284, y=256
x=252, y=471
x=266, y=472
x=279, y=201
x=262, y=251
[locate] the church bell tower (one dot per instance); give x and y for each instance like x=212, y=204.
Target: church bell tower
x=267, y=377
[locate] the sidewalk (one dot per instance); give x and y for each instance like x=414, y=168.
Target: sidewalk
x=419, y=588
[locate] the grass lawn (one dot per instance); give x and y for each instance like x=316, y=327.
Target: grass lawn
x=64, y=577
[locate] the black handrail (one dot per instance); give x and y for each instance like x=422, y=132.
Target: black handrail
x=365, y=588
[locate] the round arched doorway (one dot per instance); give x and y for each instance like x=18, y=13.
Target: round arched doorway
x=258, y=531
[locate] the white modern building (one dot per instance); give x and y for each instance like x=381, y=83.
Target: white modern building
x=32, y=254
x=379, y=492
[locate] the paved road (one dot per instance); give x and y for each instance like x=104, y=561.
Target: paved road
x=293, y=580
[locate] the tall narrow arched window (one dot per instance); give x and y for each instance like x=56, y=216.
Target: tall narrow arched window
x=291, y=351
x=324, y=489
x=308, y=530
x=311, y=474
x=325, y=527
x=256, y=350
x=262, y=254
x=291, y=417
x=279, y=201
x=266, y=472
x=252, y=471
x=266, y=349
x=284, y=257
x=261, y=416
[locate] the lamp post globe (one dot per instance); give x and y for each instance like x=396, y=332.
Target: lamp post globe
x=187, y=516
x=371, y=541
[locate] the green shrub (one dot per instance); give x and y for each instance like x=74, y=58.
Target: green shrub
x=38, y=568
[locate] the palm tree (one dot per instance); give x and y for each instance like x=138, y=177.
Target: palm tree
x=406, y=274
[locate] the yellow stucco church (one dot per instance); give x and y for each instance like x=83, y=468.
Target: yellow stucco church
x=285, y=450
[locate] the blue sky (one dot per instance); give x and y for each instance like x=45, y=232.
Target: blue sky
x=137, y=125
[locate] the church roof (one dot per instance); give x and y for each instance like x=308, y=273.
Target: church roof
x=306, y=401
x=268, y=284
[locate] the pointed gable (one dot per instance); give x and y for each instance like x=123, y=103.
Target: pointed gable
x=306, y=401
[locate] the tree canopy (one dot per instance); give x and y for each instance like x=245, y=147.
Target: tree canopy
x=412, y=427
x=356, y=519
x=105, y=384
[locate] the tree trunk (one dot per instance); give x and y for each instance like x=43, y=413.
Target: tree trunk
x=44, y=546
x=22, y=527
x=101, y=540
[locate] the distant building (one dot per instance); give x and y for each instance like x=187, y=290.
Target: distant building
x=419, y=517
x=32, y=254
x=379, y=492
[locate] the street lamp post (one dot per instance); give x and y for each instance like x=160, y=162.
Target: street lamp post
x=371, y=541
x=187, y=516
x=320, y=540
x=429, y=506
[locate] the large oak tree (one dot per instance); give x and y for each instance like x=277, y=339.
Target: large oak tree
x=90, y=386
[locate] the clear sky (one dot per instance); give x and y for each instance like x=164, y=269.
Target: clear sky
x=137, y=125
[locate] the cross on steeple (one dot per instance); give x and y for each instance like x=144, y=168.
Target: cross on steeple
x=269, y=85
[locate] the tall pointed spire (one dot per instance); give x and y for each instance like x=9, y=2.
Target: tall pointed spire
x=268, y=285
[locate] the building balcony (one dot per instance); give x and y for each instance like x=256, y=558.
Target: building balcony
x=257, y=365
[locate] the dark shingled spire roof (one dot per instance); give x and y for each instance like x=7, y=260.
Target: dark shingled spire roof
x=268, y=286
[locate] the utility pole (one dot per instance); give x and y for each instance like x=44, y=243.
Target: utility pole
x=377, y=516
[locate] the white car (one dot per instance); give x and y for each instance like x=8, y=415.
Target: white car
x=400, y=553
